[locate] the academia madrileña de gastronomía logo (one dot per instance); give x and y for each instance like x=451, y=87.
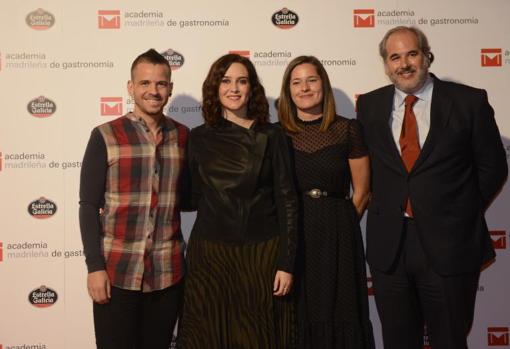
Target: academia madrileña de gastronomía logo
x=42, y=208
x=498, y=336
x=11, y=251
x=494, y=57
x=24, y=250
x=266, y=58
x=42, y=297
x=154, y=18
x=174, y=58
x=39, y=60
x=33, y=161
x=370, y=18
x=499, y=240
x=276, y=57
x=111, y=106
x=108, y=19
x=364, y=18
x=243, y=53
x=285, y=18
x=40, y=19
x=41, y=107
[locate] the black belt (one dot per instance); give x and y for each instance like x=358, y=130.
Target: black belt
x=317, y=193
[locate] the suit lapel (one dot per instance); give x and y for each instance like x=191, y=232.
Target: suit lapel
x=440, y=111
x=387, y=139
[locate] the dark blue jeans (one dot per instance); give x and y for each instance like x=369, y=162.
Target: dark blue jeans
x=137, y=320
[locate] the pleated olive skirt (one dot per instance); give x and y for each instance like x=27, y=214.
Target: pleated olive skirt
x=228, y=298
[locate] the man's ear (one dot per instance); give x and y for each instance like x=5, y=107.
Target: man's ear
x=130, y=87
x=431, y=58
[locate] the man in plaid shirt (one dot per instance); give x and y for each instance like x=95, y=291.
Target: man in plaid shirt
x=131, y=190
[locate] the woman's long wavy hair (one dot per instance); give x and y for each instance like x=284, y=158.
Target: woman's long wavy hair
x=287, y=111
x=258, y=107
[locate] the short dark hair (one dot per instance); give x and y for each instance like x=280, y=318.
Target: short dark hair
x=150, y=56
x=258, y=107
x=423, y=42
x=287, y=111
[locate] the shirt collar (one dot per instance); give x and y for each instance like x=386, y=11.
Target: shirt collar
x=165, y=123
x=424, y=93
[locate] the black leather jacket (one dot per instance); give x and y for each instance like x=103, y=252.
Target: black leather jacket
x=242, y=187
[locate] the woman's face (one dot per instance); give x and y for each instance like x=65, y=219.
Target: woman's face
x=306, y=89
x=234, y=90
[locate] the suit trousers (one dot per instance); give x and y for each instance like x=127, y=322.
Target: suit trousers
x=412, y=295
x=137, y=320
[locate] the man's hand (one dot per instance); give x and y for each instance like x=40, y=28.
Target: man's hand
x=282, y=283
x=98, y=285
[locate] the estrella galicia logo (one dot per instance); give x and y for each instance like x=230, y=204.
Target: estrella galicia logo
x=174, y=58
x=285, y=18
x=42, y=297
x=42, y=208
x=41, y=107
x=40, y=19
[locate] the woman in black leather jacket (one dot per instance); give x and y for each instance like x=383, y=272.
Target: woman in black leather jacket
x=242, y=247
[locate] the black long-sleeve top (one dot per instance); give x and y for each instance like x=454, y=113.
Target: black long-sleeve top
x=243, y=188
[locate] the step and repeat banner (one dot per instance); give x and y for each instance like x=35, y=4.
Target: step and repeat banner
x=63, y=70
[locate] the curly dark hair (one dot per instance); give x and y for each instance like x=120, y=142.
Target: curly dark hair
x=258, y=107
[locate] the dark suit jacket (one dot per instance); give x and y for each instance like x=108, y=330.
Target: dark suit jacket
x=461, y=167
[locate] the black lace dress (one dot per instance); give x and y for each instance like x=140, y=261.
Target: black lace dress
x=331, y=282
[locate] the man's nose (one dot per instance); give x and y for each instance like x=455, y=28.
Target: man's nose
x=153, y=89
x=404, y=62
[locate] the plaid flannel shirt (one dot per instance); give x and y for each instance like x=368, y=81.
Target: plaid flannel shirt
x=143, y=245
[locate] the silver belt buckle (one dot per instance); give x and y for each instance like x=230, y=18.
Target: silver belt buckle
x=315, y=193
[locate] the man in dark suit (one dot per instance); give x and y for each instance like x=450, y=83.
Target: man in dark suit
x=437, y=163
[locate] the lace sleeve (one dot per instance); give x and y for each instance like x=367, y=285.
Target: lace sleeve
x=357, y=146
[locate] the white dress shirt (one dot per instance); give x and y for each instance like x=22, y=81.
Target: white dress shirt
x=421, y=110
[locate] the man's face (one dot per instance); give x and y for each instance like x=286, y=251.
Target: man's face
x=405, y=64
x=150, y=87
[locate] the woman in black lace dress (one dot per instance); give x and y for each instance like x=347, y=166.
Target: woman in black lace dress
x=329, y=157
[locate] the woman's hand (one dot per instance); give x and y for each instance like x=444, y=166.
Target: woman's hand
x=360, y=174
x=282, y=283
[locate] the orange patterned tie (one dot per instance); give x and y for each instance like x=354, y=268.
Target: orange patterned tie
x=409, y=146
